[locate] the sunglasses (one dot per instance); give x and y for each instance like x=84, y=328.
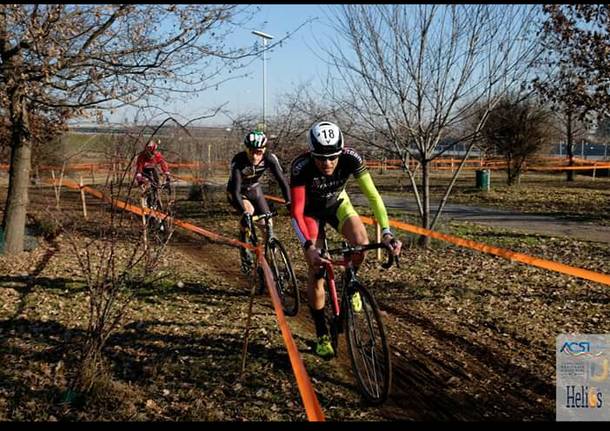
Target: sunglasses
x=329, y=158
x=256, y=150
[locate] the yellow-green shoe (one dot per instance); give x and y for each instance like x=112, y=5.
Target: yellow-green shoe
x=324, y=348
x=356, y=302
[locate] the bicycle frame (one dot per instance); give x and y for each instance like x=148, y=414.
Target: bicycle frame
x=348, y=264
x=251, y=230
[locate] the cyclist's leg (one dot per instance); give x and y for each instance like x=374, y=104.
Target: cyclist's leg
x=315, y=285
x=315, y=291
x=153, y=177
x=348, y=223
x=259, y=203
x=244, y=254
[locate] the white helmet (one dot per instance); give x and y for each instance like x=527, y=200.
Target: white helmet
x=325, y=139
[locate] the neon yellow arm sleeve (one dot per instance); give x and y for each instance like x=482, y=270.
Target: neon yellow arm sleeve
x=365, y=182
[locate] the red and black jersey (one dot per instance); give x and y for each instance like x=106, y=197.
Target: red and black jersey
x=143, y=162
x=321, y=191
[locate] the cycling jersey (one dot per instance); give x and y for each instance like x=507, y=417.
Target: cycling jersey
x=145, y=165
x=317, y=198
x=245, y=176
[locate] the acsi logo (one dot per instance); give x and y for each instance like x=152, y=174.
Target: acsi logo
x=575, y=349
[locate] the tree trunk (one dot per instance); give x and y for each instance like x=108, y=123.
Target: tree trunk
x=424, y=241
x=19, y=175
x=509, y=170
x=569, y=146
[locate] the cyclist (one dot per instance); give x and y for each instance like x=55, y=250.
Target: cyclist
x=317, y=189
x=244, y=191
x=146, y=163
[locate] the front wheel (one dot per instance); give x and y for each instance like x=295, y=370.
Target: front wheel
x=367, y=345
x=285, y=279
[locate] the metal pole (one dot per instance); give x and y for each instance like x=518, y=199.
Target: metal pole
x=264, y=83
x=265, y=37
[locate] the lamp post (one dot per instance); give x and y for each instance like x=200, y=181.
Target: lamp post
x=265, y=38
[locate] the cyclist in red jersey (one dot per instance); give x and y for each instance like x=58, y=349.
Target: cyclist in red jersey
x=146, y=165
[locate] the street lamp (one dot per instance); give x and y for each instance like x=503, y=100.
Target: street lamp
x=265, y=38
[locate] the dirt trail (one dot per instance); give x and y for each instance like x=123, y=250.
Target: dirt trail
x=424, y=387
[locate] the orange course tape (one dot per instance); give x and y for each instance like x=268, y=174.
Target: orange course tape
x=507, y=254
x=308, y=395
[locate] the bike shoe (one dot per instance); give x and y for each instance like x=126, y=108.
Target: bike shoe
x=324, y=348
x=356, y=302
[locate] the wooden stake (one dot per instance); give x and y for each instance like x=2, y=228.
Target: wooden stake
x=55, y=189
x=145, y=236
x=82, y=197
x=244, y=350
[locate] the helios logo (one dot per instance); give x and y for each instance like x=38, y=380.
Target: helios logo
x=583, y=397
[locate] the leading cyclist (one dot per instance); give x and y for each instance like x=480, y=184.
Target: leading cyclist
x=317, y=190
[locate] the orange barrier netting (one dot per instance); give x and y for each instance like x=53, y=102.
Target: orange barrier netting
x=507, y=254
x=308, y=395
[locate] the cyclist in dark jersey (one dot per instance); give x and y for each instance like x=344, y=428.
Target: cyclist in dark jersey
x=317, y=188
x=244, y=191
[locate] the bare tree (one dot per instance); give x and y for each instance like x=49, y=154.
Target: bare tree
x=113, y=269
x=517, y=129
x=414, y=72
x=574, y=71
x=74, y=58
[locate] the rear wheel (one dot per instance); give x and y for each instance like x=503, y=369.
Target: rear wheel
x=160, y=228
x=285, y=279
x=368, y=346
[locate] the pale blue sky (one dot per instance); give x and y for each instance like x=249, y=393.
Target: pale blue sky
x=288, y=65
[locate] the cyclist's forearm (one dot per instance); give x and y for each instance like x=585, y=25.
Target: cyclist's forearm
x=365, y=182
x=284, y=187
x=297, y=197
x=236, y=190
x=278, y=174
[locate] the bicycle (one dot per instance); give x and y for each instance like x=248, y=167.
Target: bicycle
x=159, y=198
x=366, y=340
x=278, y=260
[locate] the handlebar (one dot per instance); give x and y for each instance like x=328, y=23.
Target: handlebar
x=264, y=216
x=351, y=249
